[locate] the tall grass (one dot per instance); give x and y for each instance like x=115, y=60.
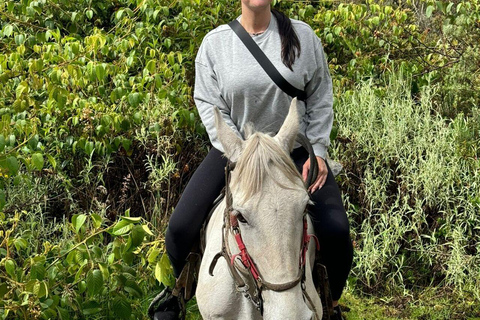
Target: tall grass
x=412, y=189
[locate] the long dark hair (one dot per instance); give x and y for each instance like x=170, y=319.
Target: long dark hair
x=290, y=43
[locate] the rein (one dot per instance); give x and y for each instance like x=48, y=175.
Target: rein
x=252, y=273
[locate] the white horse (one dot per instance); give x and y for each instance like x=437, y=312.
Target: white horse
x=268, y=200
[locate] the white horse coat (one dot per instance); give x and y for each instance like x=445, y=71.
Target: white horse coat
x=269, y=193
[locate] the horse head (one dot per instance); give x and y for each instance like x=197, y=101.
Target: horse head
x=268, y=201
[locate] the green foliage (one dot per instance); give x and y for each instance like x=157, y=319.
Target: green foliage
x=412, y=192
x=71, y=86
x=97, y=117
x=94, y=271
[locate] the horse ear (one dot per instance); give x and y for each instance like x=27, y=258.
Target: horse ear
x=288, y=132
x=231, y=143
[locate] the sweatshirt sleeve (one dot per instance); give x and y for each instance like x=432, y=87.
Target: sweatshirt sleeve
x=207, y=94
x=319, y=105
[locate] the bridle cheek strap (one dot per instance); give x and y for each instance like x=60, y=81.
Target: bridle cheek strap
x=246, y=258
x=306, y=242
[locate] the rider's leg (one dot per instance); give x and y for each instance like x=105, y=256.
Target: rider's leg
x=331, y=227
x=185, y=223
x=191, y=211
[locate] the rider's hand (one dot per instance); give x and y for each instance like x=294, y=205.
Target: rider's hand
x=321, y=177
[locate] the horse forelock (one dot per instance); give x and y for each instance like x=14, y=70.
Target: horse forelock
x=259, y=158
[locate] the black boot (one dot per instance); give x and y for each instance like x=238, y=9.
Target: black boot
x=166, y=306
x=337, y=313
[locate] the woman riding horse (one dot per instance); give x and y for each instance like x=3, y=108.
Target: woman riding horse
x=229, y=77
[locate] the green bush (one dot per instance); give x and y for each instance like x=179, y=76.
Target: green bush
x=79, y=270
x=411, y=188
x=97, y=116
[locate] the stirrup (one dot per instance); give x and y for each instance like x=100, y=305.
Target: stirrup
x=184, y=288
x=186, y=283
x=322, y=285
x=172, y=306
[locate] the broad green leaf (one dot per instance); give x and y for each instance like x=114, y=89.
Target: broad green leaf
x=71, y=257
x=90, y=308
x=137, y=117
x=449, y=7
x=121, y=307
x=121, y=227
x=2, y=142
x=429, y=11
x=78, y=220
x=128, y=257
x=82, y=287
x=30, y=285
x=134, y=99
x=133, y=288
x=163, y=269
x=147, y=230
x=167, y=42
x=171, y=58
x=11, y=140
x=126, y=143
x=13, y=165
x=97, y=251
x=20, y=243
x=100, y=71
x=52, y=161
x=129, y=246
x=19, y=39
x=130, y=61
x=137, y=235
x=38, y=161
x=21, y=88
x=104, y=268
x=37, y=271
x=48, y=313
x=94, y=282
x=132, y=219
x=152, y=255
x=32, y=143
x=119, y=14
x=89, y=147
x=40, y=289
x=10, y=267
x=151, y=66
x=7, y=31
x=176, y=68
x=167, y=270
x=125, y=125
x=63, y=313
x=97, y=220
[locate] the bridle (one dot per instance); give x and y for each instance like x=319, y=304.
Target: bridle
x=231, y=225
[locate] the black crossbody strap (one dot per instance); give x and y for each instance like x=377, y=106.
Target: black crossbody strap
x=265, y=63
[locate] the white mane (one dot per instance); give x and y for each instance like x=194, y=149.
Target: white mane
x=260, y=156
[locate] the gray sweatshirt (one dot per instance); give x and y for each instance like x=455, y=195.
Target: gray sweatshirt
x=229, y=77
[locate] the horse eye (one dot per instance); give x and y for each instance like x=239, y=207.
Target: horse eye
x=241, y=218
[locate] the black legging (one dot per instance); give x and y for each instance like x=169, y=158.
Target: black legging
x=328, y=216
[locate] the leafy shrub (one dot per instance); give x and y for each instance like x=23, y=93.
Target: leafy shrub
x=96, y=115
x=411, y=192
x=83, y=269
